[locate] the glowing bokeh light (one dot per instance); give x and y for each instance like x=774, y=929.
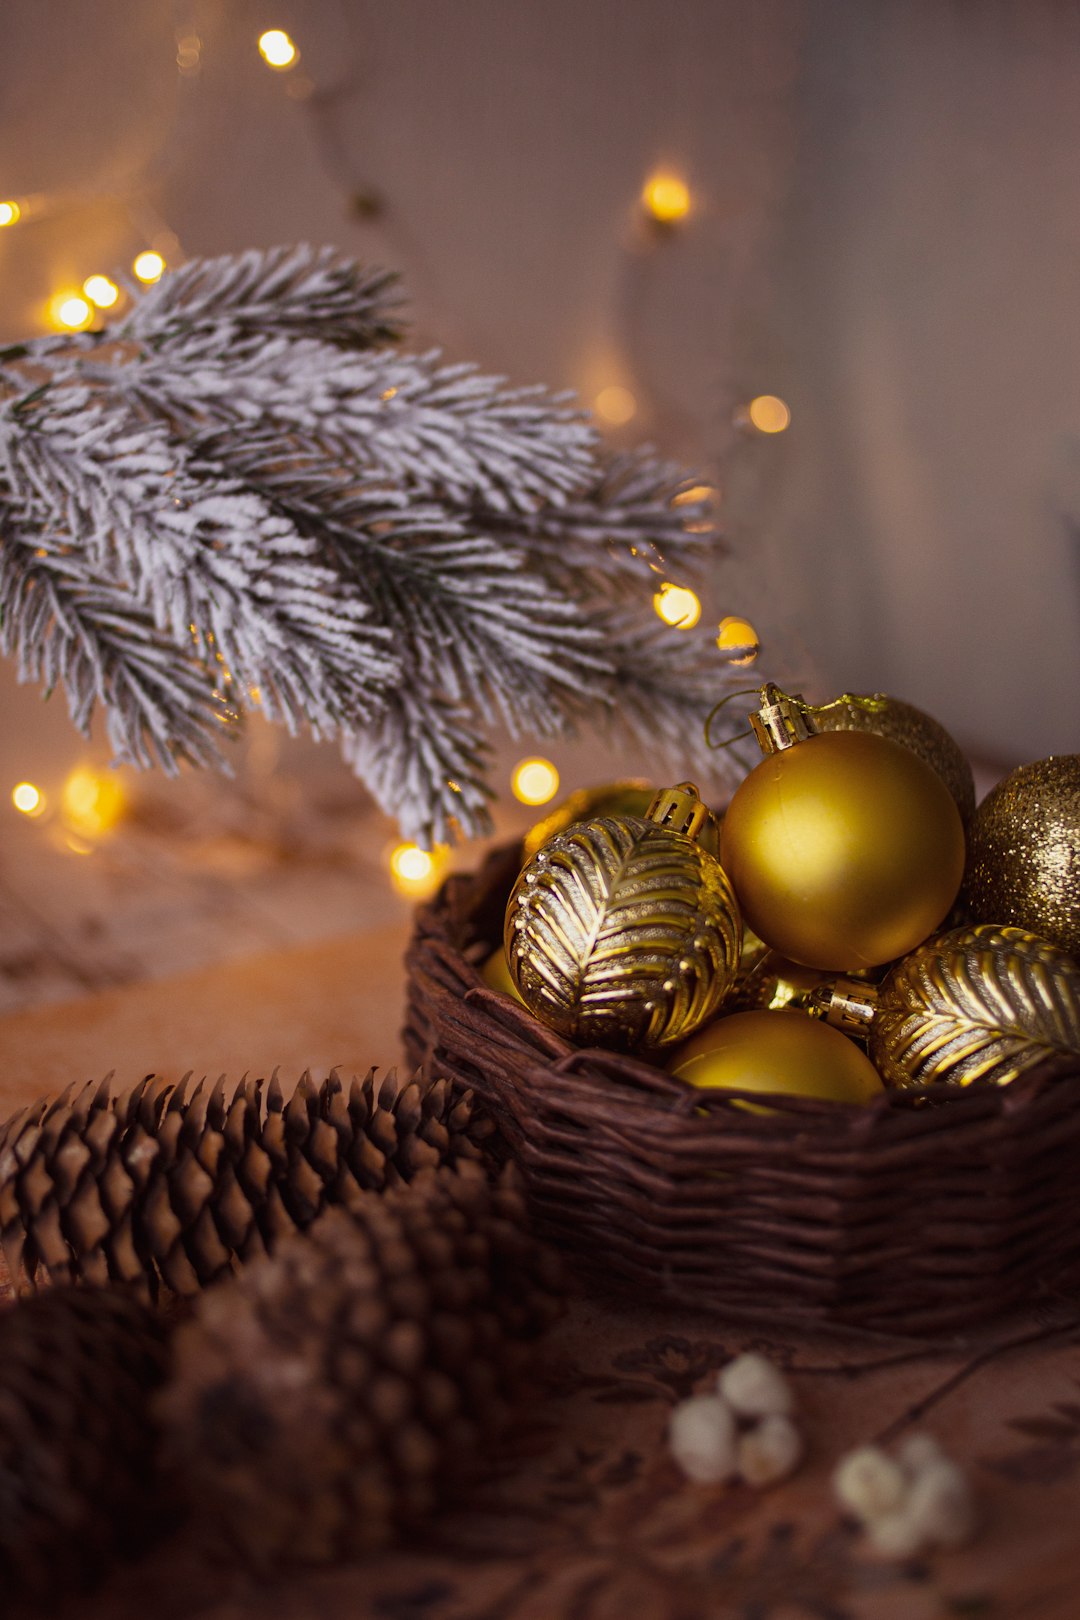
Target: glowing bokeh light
x=616, y=405
x=768, y=413
x=70, y=311
x=534, y=781
x=677, y=606
x=28, y=798
x=666, y=198
x=92, y=802
x=735, y=632
x=10, y=213
x=149, y=265
x=101, y=291
x=277, y=49
x=696, y=494
x=416, y=872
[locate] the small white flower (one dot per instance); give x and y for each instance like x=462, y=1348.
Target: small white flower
x=940, y=1504
x=869, y=1483
x=770, y=1451
x=755, y=1388
x=918, y=1451
x=702, y=1436
x=895, y=1535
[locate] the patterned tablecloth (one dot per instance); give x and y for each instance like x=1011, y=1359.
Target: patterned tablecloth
x=582, y=1515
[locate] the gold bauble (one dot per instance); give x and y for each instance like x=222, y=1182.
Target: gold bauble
x=630, y=798
x=845, y=850
x=496, y=975
x=903, y=723
x=781, y=1053
x=622, y=931
x=976, y=1006
x=1024, y=852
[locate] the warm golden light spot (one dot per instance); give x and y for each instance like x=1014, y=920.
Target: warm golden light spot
x=616, y=405
x=188, y=53
x=70, y=311
x=10, y=213
x=28, y=798
x=666, y=198
x=768, y=413
x=93, y=802
x=415, y=871
x=277, y=49
x=149, y=265
x=734, y=632
x=101, y=291
x=534, y=781
x=692, y=497
x=677, y=606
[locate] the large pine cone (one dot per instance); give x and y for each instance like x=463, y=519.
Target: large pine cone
x=154, y=1188
x=77, y=1368
x=323, y=1396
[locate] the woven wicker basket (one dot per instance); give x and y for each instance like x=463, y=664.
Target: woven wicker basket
x=897, y=1218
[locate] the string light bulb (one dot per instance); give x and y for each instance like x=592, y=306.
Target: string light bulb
x=616, y=405
x=415, y=871
x=28, y=798
x=10, y=213
x=678, y=606
x=101, y=291
x=149, y=265
x=534, y=781
x=666, y=198
x=92, y=802
x=277, y=49
x=768, y=413
x=736, y=632
x=71, y=311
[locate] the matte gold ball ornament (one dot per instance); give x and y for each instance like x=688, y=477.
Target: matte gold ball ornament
x=622, y=931
x=1024, y=855
x=975, y=1007
x=780, y=1054
x=845, y=849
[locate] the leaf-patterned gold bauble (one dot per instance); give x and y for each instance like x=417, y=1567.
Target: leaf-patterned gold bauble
x=1023, y=863
x=623, y=931
x=976, y=1006
x=903, y=723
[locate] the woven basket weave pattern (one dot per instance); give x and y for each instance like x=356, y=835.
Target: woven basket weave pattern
x=897, y=1217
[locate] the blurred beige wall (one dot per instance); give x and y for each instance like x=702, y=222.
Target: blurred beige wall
x=886, y=232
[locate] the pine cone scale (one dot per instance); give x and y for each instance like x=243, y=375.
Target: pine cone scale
x=159, y=1188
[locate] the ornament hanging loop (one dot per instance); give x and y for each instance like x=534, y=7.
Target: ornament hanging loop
x=744, y=691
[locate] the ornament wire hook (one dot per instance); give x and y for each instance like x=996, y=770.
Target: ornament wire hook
x=744, y=691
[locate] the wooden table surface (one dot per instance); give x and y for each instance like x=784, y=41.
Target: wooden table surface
x=583, y=1516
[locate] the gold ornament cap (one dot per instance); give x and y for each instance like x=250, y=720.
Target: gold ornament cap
x=680, y=809
x=781, y=720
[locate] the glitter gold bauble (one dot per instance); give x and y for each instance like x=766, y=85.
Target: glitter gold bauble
x=622, y=931
x=630, y=798
x=903, y=723
x=845, y=849
x=976, y=1006
x=781, y=1053
x=1024, y=852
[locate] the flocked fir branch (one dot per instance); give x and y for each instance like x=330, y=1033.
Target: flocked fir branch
x=243, y=496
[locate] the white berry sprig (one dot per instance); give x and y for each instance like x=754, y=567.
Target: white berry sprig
x=745, y=1430
x=907, y=1504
